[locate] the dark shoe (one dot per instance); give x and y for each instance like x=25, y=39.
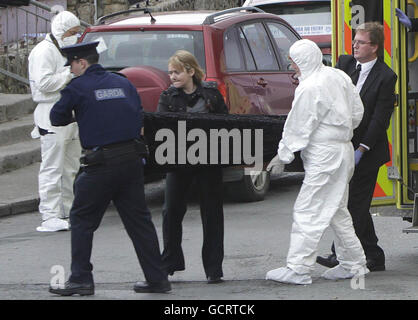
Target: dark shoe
x=157, y=287
x=213, y=280
x=171, y=271
x=170, y=268
x=70, y=288
x=373, y=265
x=329, y=262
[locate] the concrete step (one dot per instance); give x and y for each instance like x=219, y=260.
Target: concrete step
x=15, y=106
x=16, y=131
x=19, y=190
x=19, y=155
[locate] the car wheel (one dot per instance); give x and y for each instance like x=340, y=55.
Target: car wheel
x=251, y=188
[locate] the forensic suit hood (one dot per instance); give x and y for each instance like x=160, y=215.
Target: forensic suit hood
x=307, y=56
x=61, y=23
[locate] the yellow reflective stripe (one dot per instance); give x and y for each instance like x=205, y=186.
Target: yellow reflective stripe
x=387, y=24
x=386, y=185
x=347, y=28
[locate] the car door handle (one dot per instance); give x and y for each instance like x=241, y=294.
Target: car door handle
x=294, y=79
x=262, y=82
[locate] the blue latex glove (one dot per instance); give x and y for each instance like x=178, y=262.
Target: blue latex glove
x=357, y=156
x=403, y=18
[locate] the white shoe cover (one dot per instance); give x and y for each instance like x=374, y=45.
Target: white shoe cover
x=338, y=272
x=53, y=225
x=287, y=275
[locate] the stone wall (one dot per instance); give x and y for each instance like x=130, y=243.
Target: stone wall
x=18, y=64
x=84, y=9
x=173, y=5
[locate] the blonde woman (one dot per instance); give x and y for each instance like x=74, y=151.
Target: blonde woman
x=189, y=93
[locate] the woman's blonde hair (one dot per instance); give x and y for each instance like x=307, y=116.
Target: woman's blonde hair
x=184, y=60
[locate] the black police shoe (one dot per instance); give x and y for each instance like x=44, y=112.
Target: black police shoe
x=70, y=288
x=329, y=262
x=170, y=271
x=213, y=280
x=171, y=268
x=154, y=287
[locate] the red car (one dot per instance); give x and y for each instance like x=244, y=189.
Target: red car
x=244, y=50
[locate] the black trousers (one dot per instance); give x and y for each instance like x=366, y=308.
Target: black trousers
x=360, y=197
x=94, y=188
x=209, y=183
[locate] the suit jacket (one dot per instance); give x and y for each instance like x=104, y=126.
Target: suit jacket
x=378, y=96
x=414, y=27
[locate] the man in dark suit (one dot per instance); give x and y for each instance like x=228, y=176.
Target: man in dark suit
x=376, y=84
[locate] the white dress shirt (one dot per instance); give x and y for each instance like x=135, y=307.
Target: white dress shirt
x=365, y=70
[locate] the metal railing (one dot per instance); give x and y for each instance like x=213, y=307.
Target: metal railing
x=19, y=44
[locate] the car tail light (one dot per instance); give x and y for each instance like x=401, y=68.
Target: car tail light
x=221, y=88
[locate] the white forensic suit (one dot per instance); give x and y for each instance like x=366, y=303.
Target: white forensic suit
x=325, y=110
x=60, y=147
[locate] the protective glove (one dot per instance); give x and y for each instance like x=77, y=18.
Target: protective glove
x=357, y=156
x=403, y=18
x=275, y=166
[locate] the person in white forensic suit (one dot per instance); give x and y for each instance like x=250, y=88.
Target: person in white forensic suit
x=60, y=146
x=325, y=110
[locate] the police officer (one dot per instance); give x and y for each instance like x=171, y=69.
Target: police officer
x=108, y=111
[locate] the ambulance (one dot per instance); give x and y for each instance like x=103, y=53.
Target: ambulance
x=396, y=191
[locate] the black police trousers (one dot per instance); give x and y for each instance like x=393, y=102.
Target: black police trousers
x=94, y=188
x=209, y=183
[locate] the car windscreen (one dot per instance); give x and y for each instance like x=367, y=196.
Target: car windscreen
x=123, y=49
x=306, y=19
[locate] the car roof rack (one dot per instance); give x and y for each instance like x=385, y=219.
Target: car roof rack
x=101, y=20
x=211, y=18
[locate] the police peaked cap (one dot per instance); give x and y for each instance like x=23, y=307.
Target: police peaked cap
x=79, y=50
